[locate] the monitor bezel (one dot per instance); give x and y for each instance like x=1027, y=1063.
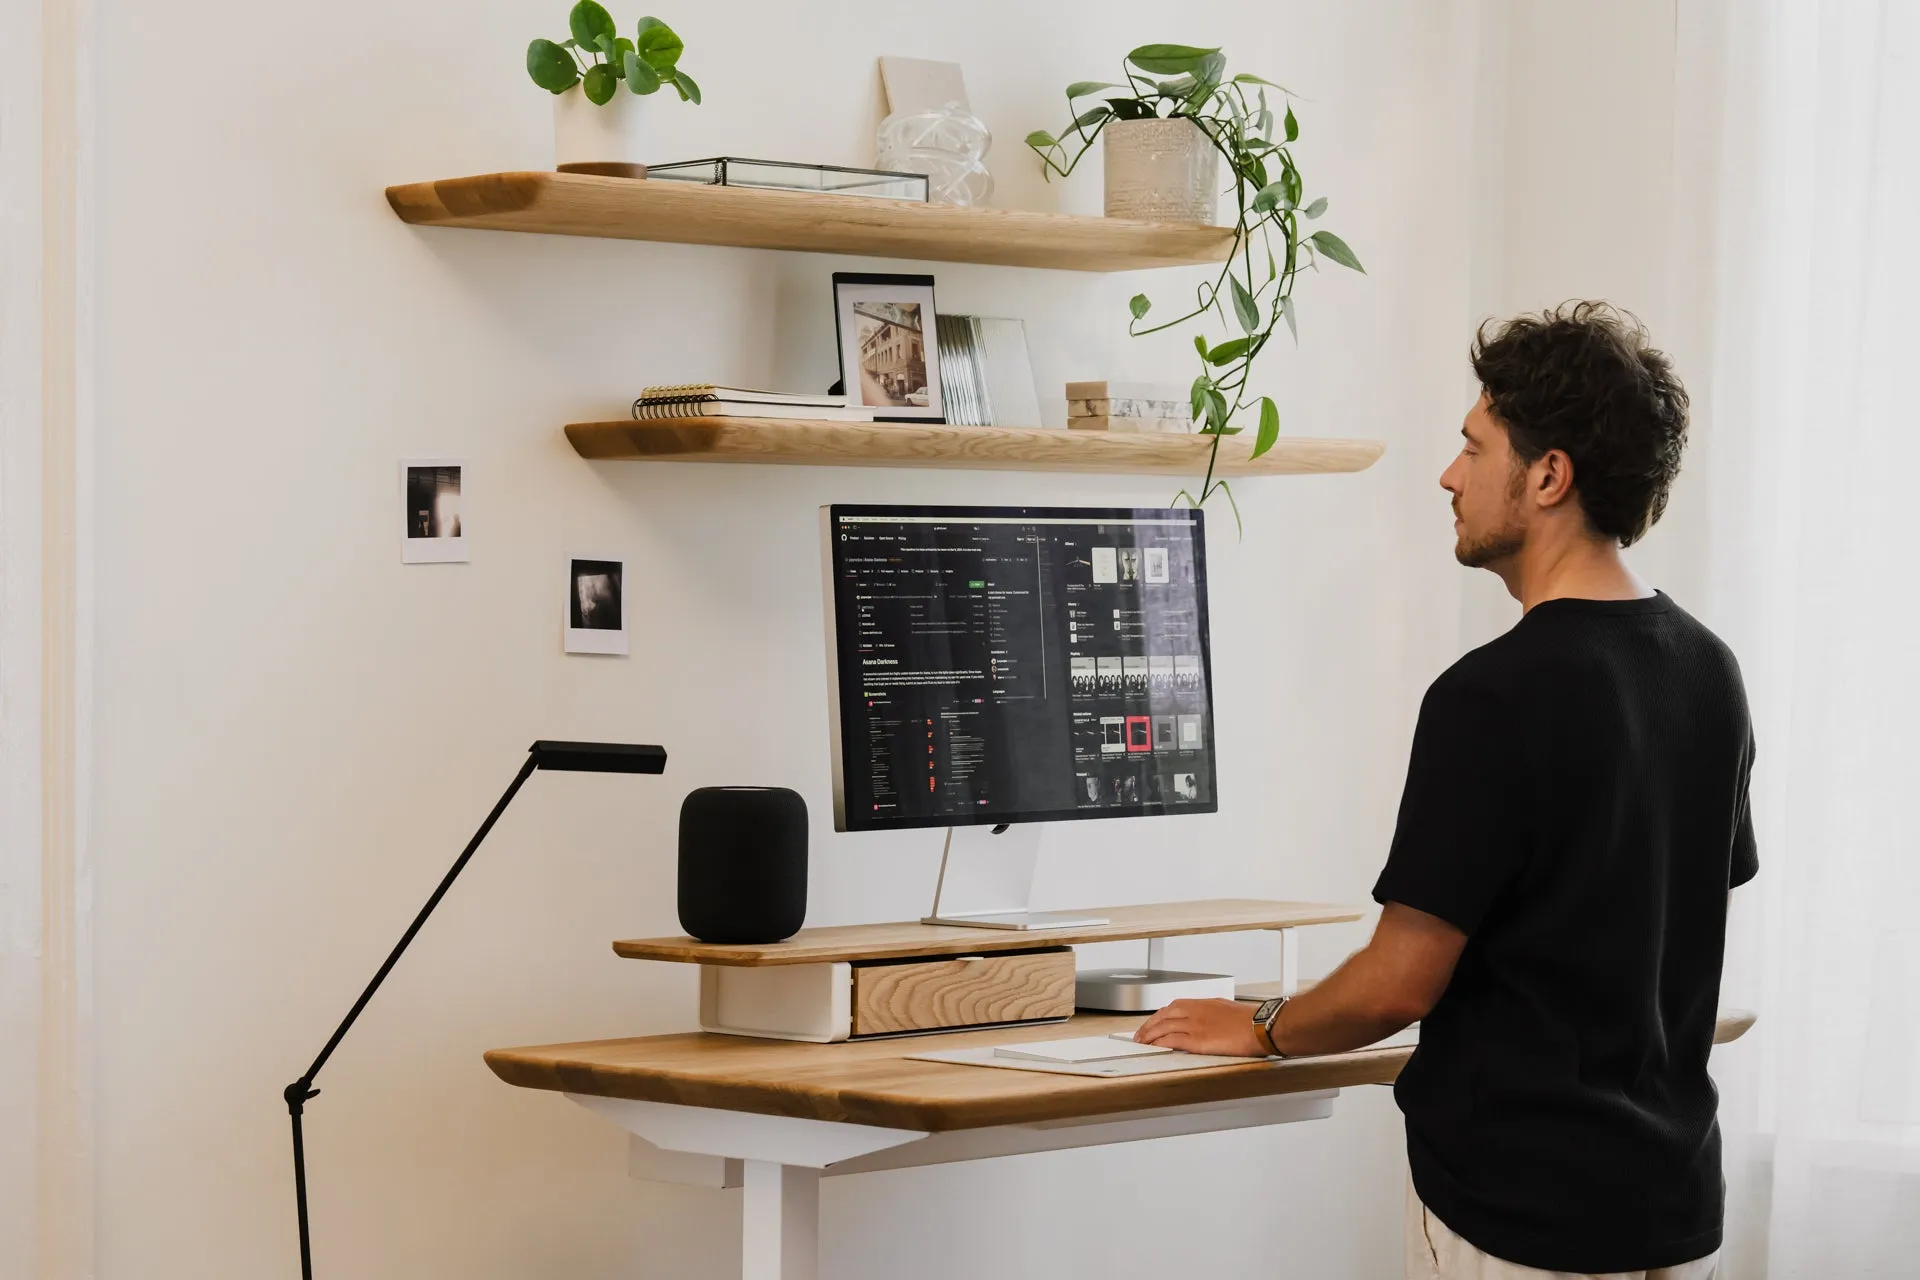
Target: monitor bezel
x=835, y=658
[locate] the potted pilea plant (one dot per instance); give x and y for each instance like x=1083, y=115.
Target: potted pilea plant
x=596, y=128
x=1178, y=101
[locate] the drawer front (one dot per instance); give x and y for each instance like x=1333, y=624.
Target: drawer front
x=931, y=995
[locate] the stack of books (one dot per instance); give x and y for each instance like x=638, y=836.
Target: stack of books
x=706, y=400
x=1128, y=406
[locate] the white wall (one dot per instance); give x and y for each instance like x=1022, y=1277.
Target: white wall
x=296, y=732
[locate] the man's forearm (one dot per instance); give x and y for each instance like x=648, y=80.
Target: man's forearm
x=1347, y=1009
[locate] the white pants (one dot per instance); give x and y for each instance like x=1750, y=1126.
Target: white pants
x=1434, y=1252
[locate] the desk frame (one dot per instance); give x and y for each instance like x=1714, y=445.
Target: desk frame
x=777, y=1162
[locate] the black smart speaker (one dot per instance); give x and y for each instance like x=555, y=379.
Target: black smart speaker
x=743, y=864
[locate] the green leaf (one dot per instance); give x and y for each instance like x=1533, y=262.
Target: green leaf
x=1081, y=88
x=1197, y=397
x=1317, y=208
x=1290, y=186
x=1269, y=426
x=1336, y=248
x=1088, y=119
x=1245, y=307
x=1179, y=88
x=1200, y=344
x=1138, y=304
x=1244, y=78
x=1168, y=59
x=689, y=90
x=641, y=77
x=1217, y=410
x=1229, y=351
x=1040, y=139
x=1211, y=68
x=1270, y=197
x=658, y=45
x=600, y=84
x=606, y=43
x=1286, y=313
x=551, y=67
x=589, y=22
x=1293, y=126
x=1130, y=109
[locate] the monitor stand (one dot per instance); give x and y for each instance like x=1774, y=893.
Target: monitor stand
x=987, y=885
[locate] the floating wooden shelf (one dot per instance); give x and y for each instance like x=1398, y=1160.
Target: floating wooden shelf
x=575, y=204
x=899, y=444
x=910, y=938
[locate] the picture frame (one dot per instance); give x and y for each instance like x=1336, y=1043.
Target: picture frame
x=885, y=329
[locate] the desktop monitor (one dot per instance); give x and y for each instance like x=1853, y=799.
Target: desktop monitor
x=1016, y=664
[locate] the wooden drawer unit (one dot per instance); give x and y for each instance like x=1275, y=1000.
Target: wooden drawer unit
x=961, y=991
x=861, y=999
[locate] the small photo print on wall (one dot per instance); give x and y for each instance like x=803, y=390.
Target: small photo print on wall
x=432, y=499
x=596, y=614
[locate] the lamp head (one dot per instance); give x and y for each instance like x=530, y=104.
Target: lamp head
x=598, y=757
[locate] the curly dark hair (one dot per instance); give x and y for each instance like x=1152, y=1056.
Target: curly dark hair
x=1582, y=378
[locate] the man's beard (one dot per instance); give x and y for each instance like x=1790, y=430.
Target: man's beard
x=1499, y=545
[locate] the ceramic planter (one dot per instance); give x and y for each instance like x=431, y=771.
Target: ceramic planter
x=1161, y=171
x=606, y=140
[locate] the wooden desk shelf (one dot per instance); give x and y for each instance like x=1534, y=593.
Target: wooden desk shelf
x=572, y=204
x=846, y=943
x=900, y=444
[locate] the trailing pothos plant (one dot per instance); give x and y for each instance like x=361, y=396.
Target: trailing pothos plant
x=598, y=58
x=1253, y=291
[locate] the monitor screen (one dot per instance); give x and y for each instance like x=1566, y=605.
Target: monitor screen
x=1010, y=664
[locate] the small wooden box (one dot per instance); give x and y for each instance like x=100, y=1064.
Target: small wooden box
x=854, y=1000
x=962, y=991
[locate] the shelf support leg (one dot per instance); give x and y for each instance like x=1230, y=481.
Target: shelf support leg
x=1289, y=961
x=1156, y=954
x=779, y=1222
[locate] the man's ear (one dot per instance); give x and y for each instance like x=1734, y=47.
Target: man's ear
x=1550, y=478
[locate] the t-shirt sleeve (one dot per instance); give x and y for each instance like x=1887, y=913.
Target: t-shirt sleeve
x=1457, y=844
x=1746, y=853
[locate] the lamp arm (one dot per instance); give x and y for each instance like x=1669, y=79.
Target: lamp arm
x=301, y=1091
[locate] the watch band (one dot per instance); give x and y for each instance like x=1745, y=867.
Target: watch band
x=1265, y=1016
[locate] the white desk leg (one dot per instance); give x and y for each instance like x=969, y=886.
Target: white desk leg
x=779, y=1222
x=1289, y=961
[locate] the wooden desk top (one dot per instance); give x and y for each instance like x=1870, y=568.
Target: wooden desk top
x=911, y=938
x=872, y=1082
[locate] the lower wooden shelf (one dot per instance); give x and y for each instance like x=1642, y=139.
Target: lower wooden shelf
x=899, y=444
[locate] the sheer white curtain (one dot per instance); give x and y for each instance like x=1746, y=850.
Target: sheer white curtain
x=1798, y=162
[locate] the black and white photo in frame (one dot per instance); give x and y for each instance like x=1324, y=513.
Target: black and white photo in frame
x=889, y=352
x=596, y=611
x=433, y=499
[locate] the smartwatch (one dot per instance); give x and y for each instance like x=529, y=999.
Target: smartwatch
x=1265, y=1016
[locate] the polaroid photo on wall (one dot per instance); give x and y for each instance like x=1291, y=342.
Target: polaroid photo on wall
x=595, y=618
x=889, y=350
x=433, y=499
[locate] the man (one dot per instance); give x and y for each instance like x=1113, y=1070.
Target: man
x=1575, y=813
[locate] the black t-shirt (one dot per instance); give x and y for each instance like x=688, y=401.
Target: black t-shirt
x=1577, y=805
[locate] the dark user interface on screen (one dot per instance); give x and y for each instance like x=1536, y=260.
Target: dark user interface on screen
x=1001, y=665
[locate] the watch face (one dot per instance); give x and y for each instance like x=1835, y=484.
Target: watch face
x=1267, y=1009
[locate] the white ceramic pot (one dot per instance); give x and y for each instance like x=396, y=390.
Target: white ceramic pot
x=1161, y=171
x=591, y=139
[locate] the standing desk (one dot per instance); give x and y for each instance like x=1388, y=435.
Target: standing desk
x=773, y=1117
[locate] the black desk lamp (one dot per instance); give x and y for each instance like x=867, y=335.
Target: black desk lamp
x=574, y=757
